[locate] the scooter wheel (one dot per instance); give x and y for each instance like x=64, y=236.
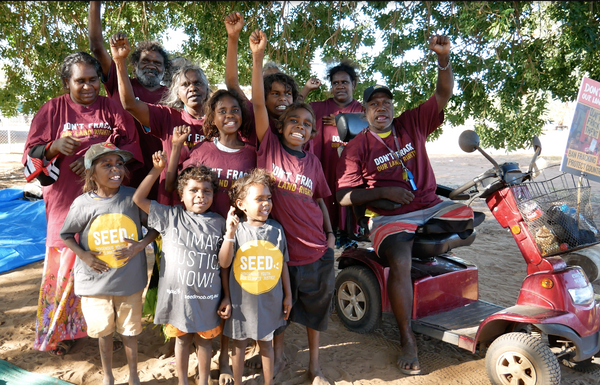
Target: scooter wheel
x=358, y=299
x=519, y=358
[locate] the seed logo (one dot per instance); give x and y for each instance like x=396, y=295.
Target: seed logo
x=257, y=266
x=106, y=235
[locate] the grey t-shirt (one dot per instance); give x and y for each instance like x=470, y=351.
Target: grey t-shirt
x=189, y=285
x=255, y=281
x=102, y=224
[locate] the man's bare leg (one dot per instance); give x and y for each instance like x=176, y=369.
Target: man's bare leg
x=400, y=293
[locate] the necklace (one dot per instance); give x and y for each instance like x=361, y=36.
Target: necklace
x=406, y=173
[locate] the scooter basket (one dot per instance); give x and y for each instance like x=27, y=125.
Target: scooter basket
x=557, y=213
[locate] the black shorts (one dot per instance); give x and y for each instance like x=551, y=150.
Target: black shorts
x=312, y=292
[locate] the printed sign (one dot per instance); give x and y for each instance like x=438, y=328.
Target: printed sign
x=257, y=266
x=582, y=153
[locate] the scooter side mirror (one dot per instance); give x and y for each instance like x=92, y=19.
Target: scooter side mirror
x=468, y=141
x=537, y=144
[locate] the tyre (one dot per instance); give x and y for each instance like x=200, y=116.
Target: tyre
x=358, y=299
x=519, y=358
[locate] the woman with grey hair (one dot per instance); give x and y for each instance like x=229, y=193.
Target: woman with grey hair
x=182, y=105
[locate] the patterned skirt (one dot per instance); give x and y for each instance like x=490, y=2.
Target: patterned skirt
x=59, y=315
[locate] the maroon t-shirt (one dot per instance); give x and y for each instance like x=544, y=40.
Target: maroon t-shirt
x=300, y=182
x=366, y=162
x=252, y=138
x=163, y=120
x=325, y=146
x=103, y=121
x=229, y=166
x=148, y=143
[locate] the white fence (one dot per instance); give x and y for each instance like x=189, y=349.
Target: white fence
x=13, y=133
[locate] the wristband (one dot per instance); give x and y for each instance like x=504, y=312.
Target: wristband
x=328, y=232
x=228, y=239
x=444, y=68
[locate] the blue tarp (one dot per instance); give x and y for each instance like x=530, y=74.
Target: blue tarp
x=22, y=230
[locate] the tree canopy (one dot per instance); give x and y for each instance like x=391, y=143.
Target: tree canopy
x=509, y=58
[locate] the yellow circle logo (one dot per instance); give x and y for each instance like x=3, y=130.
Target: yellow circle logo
x=107, y=234
x=257, y=266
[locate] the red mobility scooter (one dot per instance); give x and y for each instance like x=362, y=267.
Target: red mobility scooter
x=557, y=314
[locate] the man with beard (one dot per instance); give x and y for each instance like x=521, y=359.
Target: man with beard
x=151, y=62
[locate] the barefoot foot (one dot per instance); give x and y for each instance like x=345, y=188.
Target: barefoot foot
x=225, y=373
x=317, y=377
x=279, y=366
x=167, y=350
x=254, y=362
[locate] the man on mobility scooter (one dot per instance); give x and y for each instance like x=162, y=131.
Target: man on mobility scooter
x=388, y=162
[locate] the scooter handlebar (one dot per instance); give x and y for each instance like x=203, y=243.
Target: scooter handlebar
x=461, y=189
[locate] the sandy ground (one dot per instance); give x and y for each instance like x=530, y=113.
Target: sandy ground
x=346, y=357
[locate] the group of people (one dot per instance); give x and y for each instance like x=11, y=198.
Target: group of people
x=240, y=198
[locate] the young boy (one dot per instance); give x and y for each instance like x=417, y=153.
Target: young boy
x=110, y=270
x=298, y=205
x=189, y=289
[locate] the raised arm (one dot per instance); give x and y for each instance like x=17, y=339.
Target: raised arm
x=226, y=251
x=140, y=196
x=234, y=23
x=95, y=37
x=120, y=48
x=180, y=134
x=258, y=43
x=311, y=85
x=445, y=81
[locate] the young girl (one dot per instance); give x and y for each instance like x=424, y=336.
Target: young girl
x=189, y=289
x=110, y=271
x=298, y=205
x=222, y=149
x=228, y=156
x=259, y=277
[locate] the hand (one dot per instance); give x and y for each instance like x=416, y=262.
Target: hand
x=159, y=160
x=312, y=84
x=119, y=46
x=78, y=167
x=287, y=307
x=89, y=257
x=399, y=195
x=231, y=223
x=440, y=44
x=66, y=146
x=124, y=254
x=224, y=310
x=180, y=134
x=258, y=41
x=331, y=240
x=329, y=120
x=234, y=23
